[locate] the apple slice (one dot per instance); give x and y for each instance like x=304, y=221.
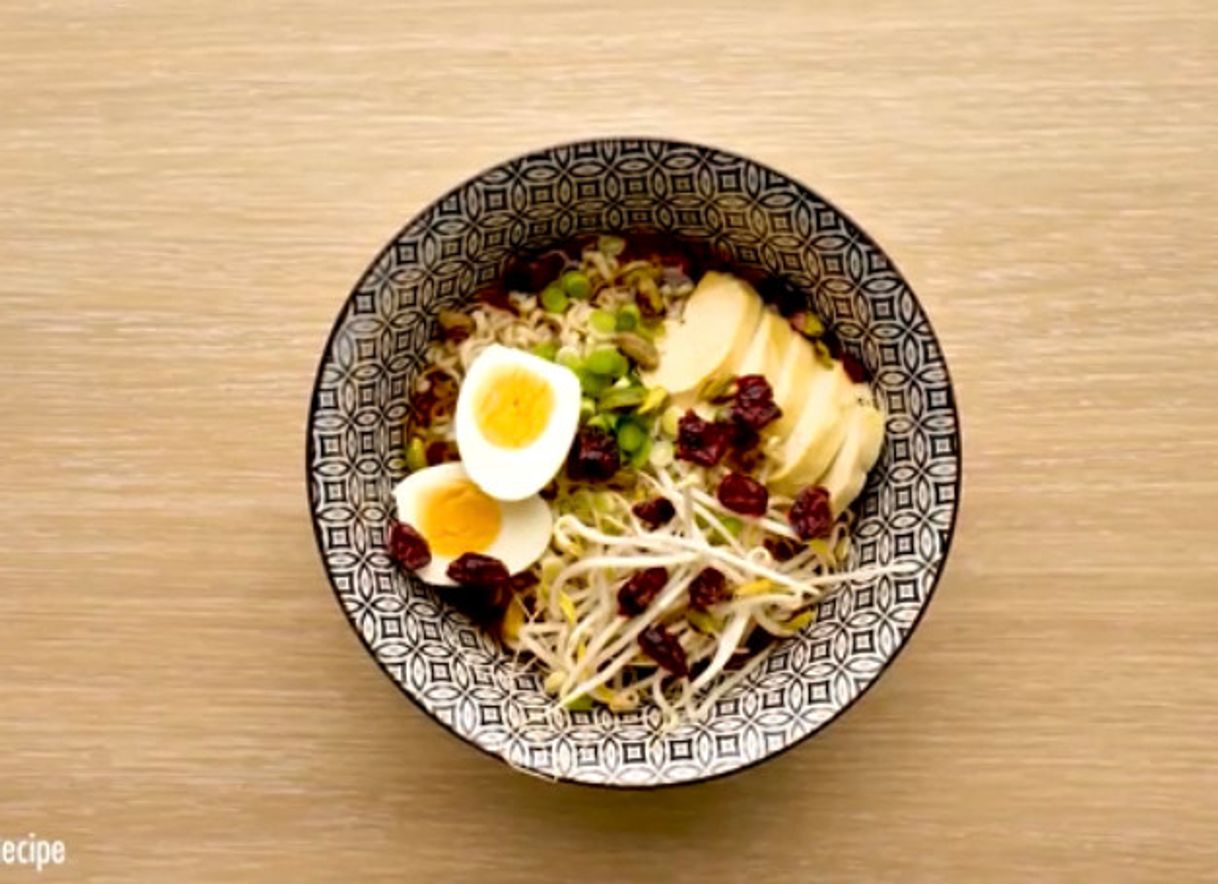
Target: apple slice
x=848, y=473
x=819, y=430
x=767, y=348
x=797, y=368
x=711, y=337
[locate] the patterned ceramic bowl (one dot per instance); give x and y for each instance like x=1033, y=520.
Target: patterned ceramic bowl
x=764, y=223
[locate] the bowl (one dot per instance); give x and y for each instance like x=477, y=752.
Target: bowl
x=761, y=222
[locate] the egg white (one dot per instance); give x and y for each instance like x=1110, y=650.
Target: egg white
x=524, y=525
x=516, y=473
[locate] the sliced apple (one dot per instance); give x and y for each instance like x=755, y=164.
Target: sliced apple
x=711, y=338
x=820, y=428
x=767, y=348
x=848, y=473
x=797, y=368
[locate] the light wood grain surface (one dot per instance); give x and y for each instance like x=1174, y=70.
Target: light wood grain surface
x=187, y=192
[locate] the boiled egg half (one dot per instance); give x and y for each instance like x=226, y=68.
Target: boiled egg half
x=455, y=516
x=516, y=417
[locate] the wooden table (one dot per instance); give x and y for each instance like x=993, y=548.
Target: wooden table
x=188, y=191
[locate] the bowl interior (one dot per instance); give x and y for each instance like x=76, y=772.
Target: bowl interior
x=763, y=224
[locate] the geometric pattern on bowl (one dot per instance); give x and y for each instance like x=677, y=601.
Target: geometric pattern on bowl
x=761, y=221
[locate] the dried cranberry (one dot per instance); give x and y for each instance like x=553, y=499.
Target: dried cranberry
x=853, y=368
x=475, y=569
x=594, y=456
x=708, y=587
x=535, y=274
x=523, y=580
x=655, y=512
x=662, y=646
x=440, y=452
x=744, y=495
x=753, y=405
x=422, y=404
x=745, y=455
x=747, y=461
x=640, y=591
x=657, y=249
x=744, y=437
x=517, y=278
x=783, y=549
x=671, y=259
x=702, y=442
x=407, y=546
x=755, y=415
x=810, y=514
x=497, y=296
x=753, y=386
x=648, y=299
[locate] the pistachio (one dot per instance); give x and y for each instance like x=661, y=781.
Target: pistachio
x=670, y=420
x=627, y=397
x=705, y=623
x=654, y=399
x=635, y=271
x=649, y=299
x=823, y=356
x=714, y=387
x=611, y=245
x=807, y=324
x=638, y=348
x=416, y=454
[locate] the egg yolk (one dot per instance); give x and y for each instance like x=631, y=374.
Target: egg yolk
x=513, y=407
x=458, y=518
